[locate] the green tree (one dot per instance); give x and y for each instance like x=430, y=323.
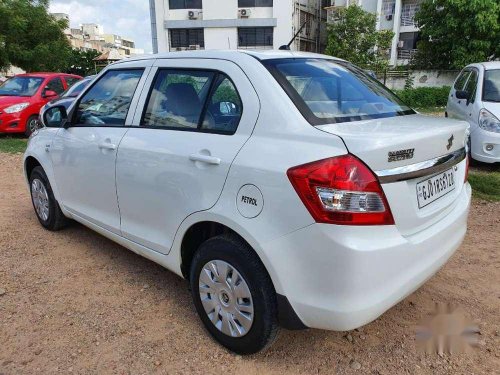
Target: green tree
x=353, y=37
x=31, y=38
x=455, y=33
x=82, y=62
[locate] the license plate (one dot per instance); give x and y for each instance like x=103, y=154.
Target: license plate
x=435, y=187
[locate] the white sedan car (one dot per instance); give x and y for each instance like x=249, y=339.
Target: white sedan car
x=475, y=98
x=291, y=189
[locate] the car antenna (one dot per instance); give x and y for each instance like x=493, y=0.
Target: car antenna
x=286, y=47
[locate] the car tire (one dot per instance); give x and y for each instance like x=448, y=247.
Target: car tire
x=46, y=207
x=246, y=274
x=31, y=125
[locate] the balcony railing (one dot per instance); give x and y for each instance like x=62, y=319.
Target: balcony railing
x=406, y=54
x=408, y=11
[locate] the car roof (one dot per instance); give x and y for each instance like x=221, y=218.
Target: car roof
x=491, y=65
x=232, y=55
x=45, y=75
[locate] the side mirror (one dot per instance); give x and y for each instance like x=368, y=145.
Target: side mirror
x=56, y=117
x=462, y=94
x=49, y=94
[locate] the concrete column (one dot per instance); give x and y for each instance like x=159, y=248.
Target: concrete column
x=395, y=29
x=379, y=13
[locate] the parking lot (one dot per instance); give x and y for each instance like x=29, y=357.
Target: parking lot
x=75, y=302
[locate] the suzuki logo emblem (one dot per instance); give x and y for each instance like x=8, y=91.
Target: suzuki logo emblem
x=450, y=142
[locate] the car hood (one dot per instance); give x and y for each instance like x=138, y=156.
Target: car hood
x=7, y=101
x=493, y=108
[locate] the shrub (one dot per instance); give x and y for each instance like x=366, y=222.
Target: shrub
x=422, y=97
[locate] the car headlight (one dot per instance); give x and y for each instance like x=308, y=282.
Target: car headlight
x=488, y=121
x=16, y=108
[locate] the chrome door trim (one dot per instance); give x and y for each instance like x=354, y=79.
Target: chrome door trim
x=424, y=168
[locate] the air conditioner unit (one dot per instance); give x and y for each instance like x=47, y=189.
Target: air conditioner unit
x=401, y=44
x=388, y=17
x=194, y=15
x=245, y=12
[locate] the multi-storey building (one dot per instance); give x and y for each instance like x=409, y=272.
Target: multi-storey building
x=91, y=36
x=231, y=24
x=395, y=15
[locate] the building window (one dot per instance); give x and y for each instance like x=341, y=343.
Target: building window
x=254, y=3
x=185, y=4
x=251, y=37
x=187, y=39
x=408, y=11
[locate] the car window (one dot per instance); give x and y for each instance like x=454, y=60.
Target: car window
x=491, y=86
x=462, y=78
x=77, y=88
x=21, y=86
x=327, y=91
x=224, y=107
x=56, y=85
x=177, y=99
x=471, y=85
x=70, y=81
x=108, y=101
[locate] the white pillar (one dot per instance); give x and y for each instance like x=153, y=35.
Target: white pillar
x=379, y=13
x=395, y=29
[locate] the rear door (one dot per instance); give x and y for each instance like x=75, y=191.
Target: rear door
x=190, y=125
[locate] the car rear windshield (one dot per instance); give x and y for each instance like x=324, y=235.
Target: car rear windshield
x=327, y=91
x=21, y=86
x=491, y=86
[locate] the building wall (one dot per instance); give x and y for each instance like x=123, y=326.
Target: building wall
x=423, y=78
x=220, y=22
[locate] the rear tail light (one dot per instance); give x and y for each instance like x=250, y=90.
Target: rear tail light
x=341, y=190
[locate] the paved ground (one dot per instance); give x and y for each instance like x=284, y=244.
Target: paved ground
x=75, y=302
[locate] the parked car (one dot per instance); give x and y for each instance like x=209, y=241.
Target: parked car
x=291, y=189
x=69, y=96
x=22, y=96
x=475, y=98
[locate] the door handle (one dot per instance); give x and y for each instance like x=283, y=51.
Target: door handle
x=205, y=159
x=106, y=146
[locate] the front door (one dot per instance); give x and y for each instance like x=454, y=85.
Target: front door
x=174, y=160
x=455, y=107
x=84, y=155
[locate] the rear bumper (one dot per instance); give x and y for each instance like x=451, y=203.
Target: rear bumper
x=341, y=277
x=480, y=139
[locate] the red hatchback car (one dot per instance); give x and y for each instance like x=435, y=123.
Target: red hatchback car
x=22, y=96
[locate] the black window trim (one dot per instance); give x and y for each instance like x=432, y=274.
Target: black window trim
x=74, y=112
x=303, y=107
x=198, y=129
x=482, y=83
x=465, y=70
x=472, y=95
